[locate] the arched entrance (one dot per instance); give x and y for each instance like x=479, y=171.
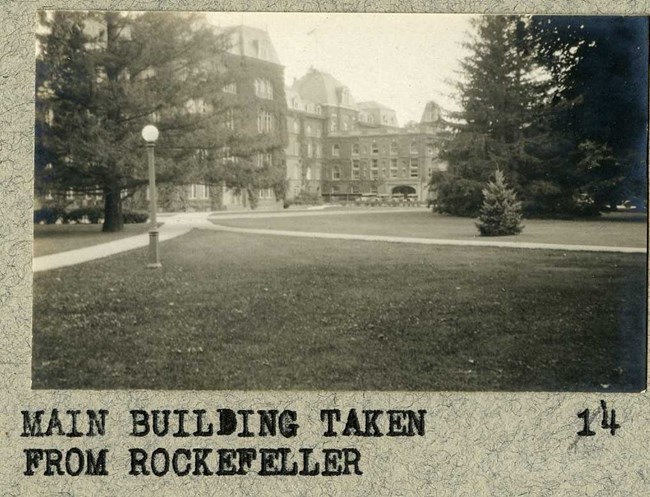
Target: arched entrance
x=403, y=190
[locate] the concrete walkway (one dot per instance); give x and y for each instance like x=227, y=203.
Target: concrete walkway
x=181, y=223
x=71, y=257
x=433, y=241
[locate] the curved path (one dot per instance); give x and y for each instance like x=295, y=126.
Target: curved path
x=433, y=241
x=179, y=224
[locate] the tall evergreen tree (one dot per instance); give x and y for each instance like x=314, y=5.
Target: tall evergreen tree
x=101, y=76
x=502, y=98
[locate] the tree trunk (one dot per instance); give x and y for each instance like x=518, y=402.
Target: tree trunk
x=113, y=220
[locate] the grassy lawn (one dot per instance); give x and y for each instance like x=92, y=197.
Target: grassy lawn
x=54, y=238
x=615, y=229
x=235, y=311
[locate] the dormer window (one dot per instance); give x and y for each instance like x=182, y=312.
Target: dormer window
x=345, y=96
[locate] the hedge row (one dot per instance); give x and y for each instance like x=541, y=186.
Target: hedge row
x=52, y=215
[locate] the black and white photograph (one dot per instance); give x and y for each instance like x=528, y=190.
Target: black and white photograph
x=340, y=202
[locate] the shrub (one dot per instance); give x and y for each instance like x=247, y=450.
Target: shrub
x=92, y=214
x=457, y=196
x=501, y=211
x=132, y=217
x=307, y=198
x=49, y=215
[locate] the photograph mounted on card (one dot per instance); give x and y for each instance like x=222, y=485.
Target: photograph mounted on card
x=341, y=202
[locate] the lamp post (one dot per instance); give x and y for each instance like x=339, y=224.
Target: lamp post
x=150, y=135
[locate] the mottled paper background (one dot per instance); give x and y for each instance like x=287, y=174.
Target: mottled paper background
x=476, y=444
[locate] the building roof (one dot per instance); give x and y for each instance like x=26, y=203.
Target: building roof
x=252, y=42
x=298, y=104
x=432, y=113
x=371, y=104
x=324, y=89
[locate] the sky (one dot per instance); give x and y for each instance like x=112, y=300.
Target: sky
x=400, y=60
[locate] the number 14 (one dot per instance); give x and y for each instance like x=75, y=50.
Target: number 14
x=608, y=422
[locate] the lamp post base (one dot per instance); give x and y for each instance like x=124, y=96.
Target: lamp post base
x=154, y=257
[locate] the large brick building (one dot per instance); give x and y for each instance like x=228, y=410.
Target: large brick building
x=313, y=136
x=334, y=147
x=253, y=114
x=359, y=149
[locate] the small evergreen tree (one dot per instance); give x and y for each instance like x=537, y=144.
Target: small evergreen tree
x=501, y=212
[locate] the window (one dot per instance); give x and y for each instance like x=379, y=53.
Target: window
x=264, y=161
x=356, y=169
x=374, y=169
x=375, y=148
x=230, y=119
x=333, y=123
x=226, y=155
x=264, y=121
x=393, y=168
x=319, y=151
x=318, y=109
x=200, y=106
x=336, y=150
x=294, y=103
x=393, y=148
x=373, y=189
x=414, y=147
x=345, y=125
x=296, y=126
x=310, y=149
x=264, y=88
x=265, y=193
x=413, y=167
x=198, y=192
x=336, y=173
x=48, y=195
x=69, y=195
x=230, y=88
x=355, y=149
x=334, y=189
x=308, y=132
